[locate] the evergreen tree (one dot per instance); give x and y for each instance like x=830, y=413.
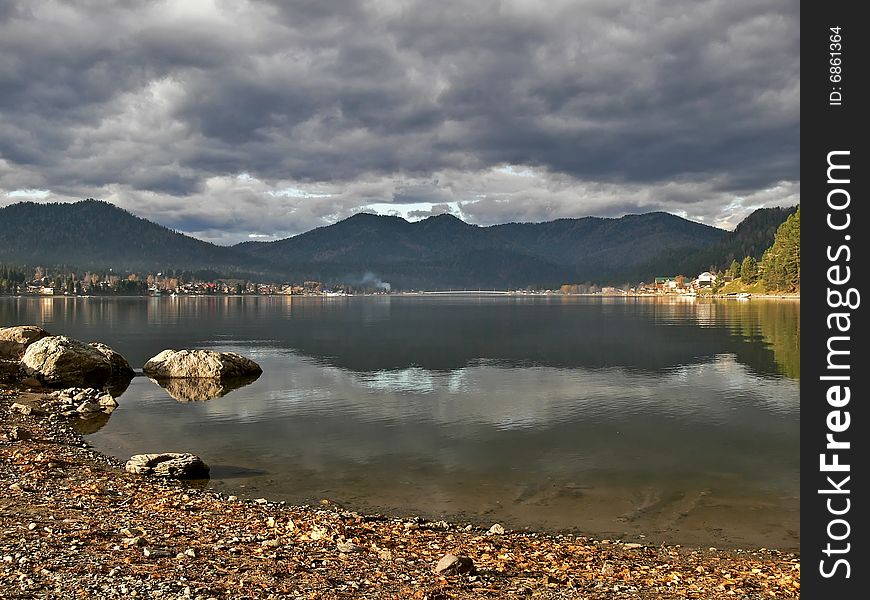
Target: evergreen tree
x=781, y=264
x=749, y=270
x=734, y=269
x=718, y=282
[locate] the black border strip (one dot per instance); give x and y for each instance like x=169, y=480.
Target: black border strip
x=831, y=120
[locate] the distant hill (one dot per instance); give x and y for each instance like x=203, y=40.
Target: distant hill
x=94, y=235
x=440, y=252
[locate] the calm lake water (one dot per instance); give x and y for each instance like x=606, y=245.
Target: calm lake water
x=677, y=420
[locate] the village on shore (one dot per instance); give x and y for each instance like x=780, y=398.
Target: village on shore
x=723, y=283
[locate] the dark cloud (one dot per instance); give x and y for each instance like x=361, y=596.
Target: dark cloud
x=685, y=106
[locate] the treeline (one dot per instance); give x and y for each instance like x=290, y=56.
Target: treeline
x=15, y=279
x=780, y=267
x=781, y=263
x=11, y=280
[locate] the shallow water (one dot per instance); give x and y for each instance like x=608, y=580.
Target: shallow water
x=676, y=419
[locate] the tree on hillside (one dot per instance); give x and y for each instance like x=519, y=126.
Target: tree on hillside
x=781, y=264
x=734, y=269
x=749, y=270
x=719, y=282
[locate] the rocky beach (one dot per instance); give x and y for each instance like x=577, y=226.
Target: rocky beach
x=75, y=524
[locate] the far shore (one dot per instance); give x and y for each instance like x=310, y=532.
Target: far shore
x=428, y=294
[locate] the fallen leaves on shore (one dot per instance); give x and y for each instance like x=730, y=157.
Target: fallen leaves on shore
x=73, y=524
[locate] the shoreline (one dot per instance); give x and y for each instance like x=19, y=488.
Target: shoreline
x=72, y=522
x=435, y=294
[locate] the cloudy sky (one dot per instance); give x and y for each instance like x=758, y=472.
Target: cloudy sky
x=235, y=120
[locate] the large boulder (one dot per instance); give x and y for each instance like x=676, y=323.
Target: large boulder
x=200, y=364
x=120, y=367
x=15, y=340
x=61, y=361
x=175, y=465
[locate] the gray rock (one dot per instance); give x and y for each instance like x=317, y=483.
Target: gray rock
x=496, y=529
x=119, y=364
x=450, y=564
x=88, y=407
x=14, y=434
x=22, y=409
x=107, y=401
x=15, y=340
x=174, y=465
x=59, y=360
x=348, y=547
x=196, y=364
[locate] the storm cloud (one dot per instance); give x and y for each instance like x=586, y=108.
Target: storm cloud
x=229, y=119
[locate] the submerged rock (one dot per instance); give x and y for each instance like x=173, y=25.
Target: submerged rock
x=61, y=361
x=200, y=364
x=175, y=465
x=15, y=340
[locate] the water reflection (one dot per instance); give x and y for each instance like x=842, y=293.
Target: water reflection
x=90, y=423
x=386, y=333
x=611, y=416
x=118, y=385
x=201, y=389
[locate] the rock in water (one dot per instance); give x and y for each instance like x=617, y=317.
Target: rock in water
x=119, y=364
x=107, y=401
x=195, y=364
x=175, y=465
x=15, y=340
x=61, y=361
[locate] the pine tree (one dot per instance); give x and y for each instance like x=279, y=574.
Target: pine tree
x=749, y=270
x=781, y=264
x=734, y=269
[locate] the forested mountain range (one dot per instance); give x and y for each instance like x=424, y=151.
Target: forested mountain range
x=440, y=252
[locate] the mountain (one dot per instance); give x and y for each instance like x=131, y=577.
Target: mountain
x=95, y=235
x=440, y=252
x=443, y=251
x=751, y=237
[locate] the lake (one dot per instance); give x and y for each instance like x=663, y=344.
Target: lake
x=662, y=420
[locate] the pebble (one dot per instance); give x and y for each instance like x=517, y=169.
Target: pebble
x=348, y=547
x=450, y=564
x=496, y=529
